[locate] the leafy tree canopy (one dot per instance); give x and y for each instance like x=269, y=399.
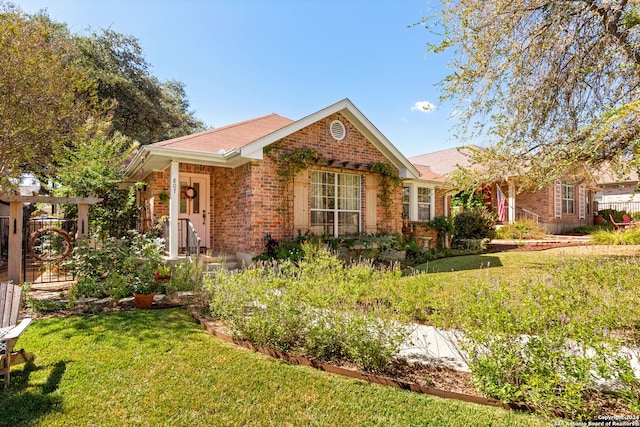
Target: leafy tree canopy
x=58, y=89
x=46, y=97
x=94, y=169
x=145, y=109
x=552, y=84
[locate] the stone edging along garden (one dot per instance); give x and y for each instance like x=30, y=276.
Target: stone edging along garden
x=372, y=378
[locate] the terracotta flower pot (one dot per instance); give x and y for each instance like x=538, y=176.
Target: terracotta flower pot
x=143, y=300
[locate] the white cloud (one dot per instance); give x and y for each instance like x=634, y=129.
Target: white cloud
x=424, y=106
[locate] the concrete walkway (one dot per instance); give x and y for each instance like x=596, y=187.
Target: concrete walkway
x=429, y=345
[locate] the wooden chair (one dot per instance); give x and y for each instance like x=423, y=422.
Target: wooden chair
x=628, y=221
x=619, y=225
x=10, y=329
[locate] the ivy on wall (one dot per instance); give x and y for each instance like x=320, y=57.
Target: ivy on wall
x=288, y=165
x=389, y=182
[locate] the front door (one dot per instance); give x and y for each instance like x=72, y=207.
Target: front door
x=194, y=205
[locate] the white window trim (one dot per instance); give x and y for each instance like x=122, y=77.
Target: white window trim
x=413, y=200
x=567, y=184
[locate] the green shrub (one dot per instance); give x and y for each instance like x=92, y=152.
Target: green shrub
x=608, y=213
x=319, y=305
x=475, y=224
x=188, y=276
x=521, y=229
x=629, y=236
x=444, y=225
x=549, y=342
x=103, y=268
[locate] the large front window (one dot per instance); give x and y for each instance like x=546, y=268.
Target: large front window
x=424, y=203
x=568, y=198
x=335, y=203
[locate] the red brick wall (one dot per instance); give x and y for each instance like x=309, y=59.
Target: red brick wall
x=247, y=201
x=267, y=203
x=541, y=202
x=439, y=197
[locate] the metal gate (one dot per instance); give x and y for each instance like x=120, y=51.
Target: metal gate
x=47, y=245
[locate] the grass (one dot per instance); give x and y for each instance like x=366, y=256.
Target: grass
x=157, y=367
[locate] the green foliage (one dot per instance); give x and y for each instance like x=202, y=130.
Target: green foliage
x=48, y=100
x=94, y=169
x=144, y=109
x=110, y=268
x=582, y=106
x=628, y=236
x=288, y=165
x=444, y=225
x=522, y=229
x=313, y=306
x=112, y=352
x=608, y=213
x=390, y=181
x=547, y=342
x=474, y=224
x=188, y=276
x=469, y=200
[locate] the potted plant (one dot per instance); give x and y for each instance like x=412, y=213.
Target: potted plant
x=144, y=290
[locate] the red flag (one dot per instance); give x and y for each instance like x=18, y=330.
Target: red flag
x=502, y=214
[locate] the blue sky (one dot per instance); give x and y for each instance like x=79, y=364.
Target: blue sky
x=241, y=59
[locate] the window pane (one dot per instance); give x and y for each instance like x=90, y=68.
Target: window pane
x=183, y=198
x=195, y=202
x=568, y=198
x=405, y=194
x=424, y=195
x=348, y=223
x=424, y=212
x=331, y=195
x=322, y=222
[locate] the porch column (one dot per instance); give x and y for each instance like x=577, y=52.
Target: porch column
x=174, y=209
x=83, y=220
x=15, y=242
x=512, y=203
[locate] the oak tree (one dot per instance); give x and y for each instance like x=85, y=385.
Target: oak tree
x=47, y=101
x=552, y=84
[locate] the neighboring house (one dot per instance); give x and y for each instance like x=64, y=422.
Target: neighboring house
x=228, y=182
x=558, y=207
x=619, y=193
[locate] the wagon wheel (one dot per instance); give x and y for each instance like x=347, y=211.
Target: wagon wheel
x=68, y=245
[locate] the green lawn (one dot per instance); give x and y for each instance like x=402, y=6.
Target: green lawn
x=158, y=367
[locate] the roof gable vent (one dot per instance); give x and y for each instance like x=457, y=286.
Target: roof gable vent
x=338, y=131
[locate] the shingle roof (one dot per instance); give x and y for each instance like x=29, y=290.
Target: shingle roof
x=228, y=137
x=428, y=175
x=442, y=162
x=607, y=176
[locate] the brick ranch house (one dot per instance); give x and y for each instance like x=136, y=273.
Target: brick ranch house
x=558, y=207
x=231, y=182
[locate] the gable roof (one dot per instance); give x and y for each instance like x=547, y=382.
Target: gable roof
x=606, y=176
x=227, y=138
x=427, y=174
x=443, y=162
x=240, y=143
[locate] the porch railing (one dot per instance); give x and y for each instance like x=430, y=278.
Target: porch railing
x=193, y=240
x=522, y=213
x=188, y=238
